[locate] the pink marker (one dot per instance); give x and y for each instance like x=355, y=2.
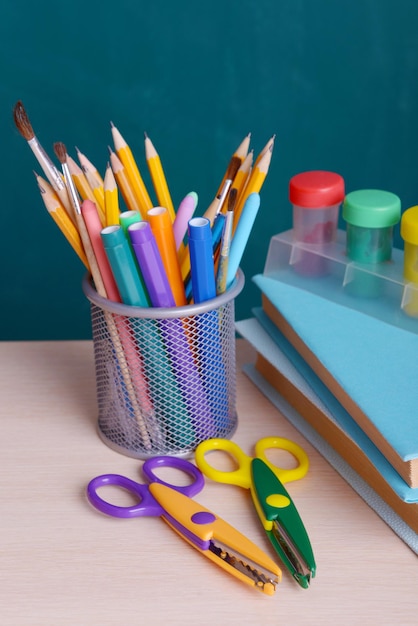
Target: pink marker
x=94, y=228
x=184, y=213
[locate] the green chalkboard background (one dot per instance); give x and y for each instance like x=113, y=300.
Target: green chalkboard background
x=336, y=80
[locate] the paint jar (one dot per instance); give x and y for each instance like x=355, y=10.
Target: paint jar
x=409, y=234
x=316, y=197
x=370, y=215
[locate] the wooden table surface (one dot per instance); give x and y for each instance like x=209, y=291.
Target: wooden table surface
x=62, y=562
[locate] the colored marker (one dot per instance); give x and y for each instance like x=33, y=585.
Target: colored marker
x=162, y=229
x=123, y=266
x=173, y=332
x=201, y=259
x=241, y=235
x=184, y=213
x=151, y=265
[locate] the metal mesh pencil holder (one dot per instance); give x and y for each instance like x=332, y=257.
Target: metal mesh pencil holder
x=165, y=377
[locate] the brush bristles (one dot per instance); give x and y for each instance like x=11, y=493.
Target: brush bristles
x=232, y=199
x=233, y=167
x=61, y=152
x=22, y=122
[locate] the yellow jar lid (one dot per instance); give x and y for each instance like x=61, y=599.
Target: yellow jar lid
x=409, y=225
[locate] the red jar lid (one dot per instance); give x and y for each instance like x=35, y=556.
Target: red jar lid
x=316, y=189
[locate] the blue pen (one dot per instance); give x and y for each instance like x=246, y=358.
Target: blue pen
x=241, y=236
x=201, y=259
x=123, y=266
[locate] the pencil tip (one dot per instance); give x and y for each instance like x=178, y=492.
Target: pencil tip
x=145, y=135
x=61, y=151
x=112, y=124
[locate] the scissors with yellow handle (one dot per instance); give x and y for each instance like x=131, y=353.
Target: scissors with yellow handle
x=274, y=506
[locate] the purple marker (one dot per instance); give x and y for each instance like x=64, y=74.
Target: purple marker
x=172, y=330
x=151, y=265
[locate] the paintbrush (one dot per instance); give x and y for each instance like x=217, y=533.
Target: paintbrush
x=216, y=206
x=24, y=127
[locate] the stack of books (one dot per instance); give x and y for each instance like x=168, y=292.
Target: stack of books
x=336, y=354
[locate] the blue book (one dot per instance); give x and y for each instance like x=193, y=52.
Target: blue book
x=366, y=363
x=305, y=401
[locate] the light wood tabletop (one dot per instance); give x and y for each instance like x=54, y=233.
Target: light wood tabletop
x=62, y=562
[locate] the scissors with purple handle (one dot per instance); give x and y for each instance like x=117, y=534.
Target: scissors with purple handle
x=147, y=505
x=208, y=533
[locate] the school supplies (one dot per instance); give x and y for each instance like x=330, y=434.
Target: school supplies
x=164, y=369
x=126, y=157
x=158, y=177
x=274, y=506
x=209, y=534
x=61, y=218
x=51, y=172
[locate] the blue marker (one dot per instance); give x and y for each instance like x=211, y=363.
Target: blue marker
x=209, y=350
x=201, y=259
x=241, y=235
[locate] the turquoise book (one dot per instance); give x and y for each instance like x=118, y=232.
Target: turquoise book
x=367, y=364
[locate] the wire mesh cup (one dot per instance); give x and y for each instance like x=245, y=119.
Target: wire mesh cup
x=165, y=377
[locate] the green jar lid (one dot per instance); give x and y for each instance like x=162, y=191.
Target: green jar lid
x=371, y=208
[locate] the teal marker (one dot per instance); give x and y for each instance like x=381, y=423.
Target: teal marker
x=170, y=425
x=123, y=266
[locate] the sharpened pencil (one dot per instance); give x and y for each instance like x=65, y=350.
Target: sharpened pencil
x=60, y=216
x=158, y=178
x=127, y=159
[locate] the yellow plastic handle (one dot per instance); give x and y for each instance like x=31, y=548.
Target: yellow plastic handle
x=241, y=476
x=285, y=475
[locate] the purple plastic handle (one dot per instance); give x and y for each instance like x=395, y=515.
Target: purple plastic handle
x=185, y=466
x=147, y=505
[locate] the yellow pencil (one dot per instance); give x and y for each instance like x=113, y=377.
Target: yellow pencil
x=89, y=167
x=60, y=216
x=243, y=174
x=158, y=178
x=269, y=146
x=127, y=159
x=255, y=182
x=80, y=180
x=124, y=183
x=111, y=198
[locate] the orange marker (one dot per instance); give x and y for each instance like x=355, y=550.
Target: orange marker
x=162, y=228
